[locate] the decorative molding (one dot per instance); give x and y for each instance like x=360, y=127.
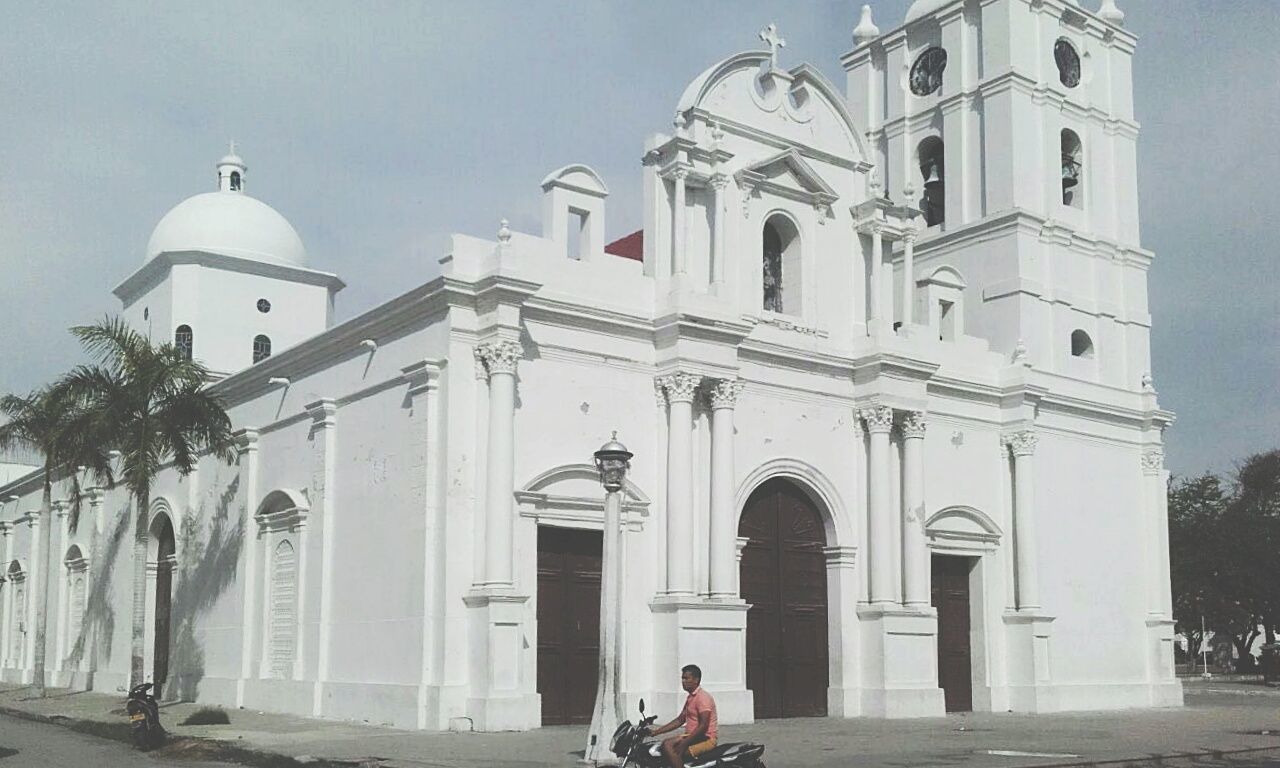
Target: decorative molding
x=422, y=377
x=841, y=557
x=723, y=393
x=1153, y=461
x=323, y=413
x=1021, y=443
x=680, y=387
x=501, y=356
x=246, y=440
x=879, y=418
x=283, y=509
x=913, y=425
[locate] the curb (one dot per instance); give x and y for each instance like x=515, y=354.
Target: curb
x=1157, y=758
x=222, y=750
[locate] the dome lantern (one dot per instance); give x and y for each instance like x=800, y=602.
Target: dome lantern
x=231, y=170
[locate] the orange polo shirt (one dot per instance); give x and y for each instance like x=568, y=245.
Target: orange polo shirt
x=700, y=701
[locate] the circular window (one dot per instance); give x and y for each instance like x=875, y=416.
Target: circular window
x=1068, y=61
x=926, y=73
x=264, y=306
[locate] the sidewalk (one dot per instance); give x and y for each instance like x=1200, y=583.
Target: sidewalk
x=1220, y=717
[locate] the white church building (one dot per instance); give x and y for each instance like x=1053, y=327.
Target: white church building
x=881, y=353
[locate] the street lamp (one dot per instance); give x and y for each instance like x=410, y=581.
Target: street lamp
x=612, y=462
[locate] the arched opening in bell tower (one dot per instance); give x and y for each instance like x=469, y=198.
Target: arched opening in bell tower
x=1072, y=167
x=931, y=156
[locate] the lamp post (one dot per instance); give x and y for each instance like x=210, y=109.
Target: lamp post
x=612, y=461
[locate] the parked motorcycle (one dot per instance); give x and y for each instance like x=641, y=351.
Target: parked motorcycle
x=630, y=743
x=144, y=717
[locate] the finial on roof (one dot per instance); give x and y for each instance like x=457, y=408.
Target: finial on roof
x=873, y=184
x=866, y=31
x=1020, y=353
x=770, y=37
x=504, y=232
x=1148, y=383
x=1110, y=13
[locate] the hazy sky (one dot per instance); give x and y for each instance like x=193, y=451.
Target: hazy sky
x=379, y=128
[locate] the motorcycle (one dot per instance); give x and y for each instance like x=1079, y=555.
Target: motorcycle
x=144, y=717
x=630, y=743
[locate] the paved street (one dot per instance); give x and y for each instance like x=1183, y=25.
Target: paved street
x=24, y=744
x=1224, y=724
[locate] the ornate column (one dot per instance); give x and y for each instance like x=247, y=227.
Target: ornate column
x=915, y=556
x=879, y=421
x=500, y=360
x=6, y=609
x=908, y=278
x=246, y=443
x=718, y=183
x=680, y=388
x=678, y=263
x=877, y=276
x=61, y=511
x=97, y=516
x=723, y=533
x=1023, y=446
x=324, y=422
x=1165, y=688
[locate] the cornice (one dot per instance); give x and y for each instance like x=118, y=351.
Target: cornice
x=153, y=271
x=743, y=130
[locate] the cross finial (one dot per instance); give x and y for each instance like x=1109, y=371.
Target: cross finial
x=232, y=151
x=770, y=37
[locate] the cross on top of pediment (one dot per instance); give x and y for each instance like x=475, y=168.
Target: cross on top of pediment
x=770, y=37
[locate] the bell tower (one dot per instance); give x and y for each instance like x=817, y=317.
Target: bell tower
x=1010, y=124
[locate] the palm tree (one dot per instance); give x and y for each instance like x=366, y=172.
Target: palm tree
x=153, y=403
x=51, y=422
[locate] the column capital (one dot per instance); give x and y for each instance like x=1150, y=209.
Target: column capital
x=723, y=393
x=96, y=495
x=680, y=387
x=719, y=181
x=1021, y=443
x=1153, y=461
x=422, y=376
x=879, y=418
x=498, y=356
x=913, y=425
x=61, y=508
x=323, y=412
x=245, y=440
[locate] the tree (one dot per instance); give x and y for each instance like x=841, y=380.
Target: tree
x=153, y=403
x=51, y=422
x=1255, y=509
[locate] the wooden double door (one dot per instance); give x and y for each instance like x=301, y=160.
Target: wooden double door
x=951, y=599
x=784, y=578
x=569, y=566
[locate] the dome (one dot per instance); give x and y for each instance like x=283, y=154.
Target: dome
x=921, y=8
x=229, y=223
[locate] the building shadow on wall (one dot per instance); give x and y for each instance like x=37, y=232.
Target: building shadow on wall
x=209, y=556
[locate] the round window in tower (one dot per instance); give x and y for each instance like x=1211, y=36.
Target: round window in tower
x=264, y=306
x=1068, y=61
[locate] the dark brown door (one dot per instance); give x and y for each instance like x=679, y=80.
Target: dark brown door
x=951, y=599
x=164, y=596
x=568, y=623
x=784, y=578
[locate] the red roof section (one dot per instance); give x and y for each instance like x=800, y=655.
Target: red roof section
x=629, y=247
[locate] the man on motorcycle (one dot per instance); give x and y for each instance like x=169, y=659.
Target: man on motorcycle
x=701, y=725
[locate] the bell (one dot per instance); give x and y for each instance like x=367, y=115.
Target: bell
x=1070, y=177
x=932, y=179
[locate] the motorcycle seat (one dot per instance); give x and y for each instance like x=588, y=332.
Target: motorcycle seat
x=727, y=753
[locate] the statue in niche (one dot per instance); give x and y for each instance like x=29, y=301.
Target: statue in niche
x=772, y=264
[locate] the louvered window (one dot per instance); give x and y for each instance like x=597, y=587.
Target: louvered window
x=284, y=589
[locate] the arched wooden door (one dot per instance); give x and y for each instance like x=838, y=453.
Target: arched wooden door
x=784, y=579
x=164, y=597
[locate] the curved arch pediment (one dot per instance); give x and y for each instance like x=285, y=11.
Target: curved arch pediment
x=962, y=523
x=839, y=530
x=571, y=495
x=745, y=89
x=282, y=500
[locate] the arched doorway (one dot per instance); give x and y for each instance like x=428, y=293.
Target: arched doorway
x=162, y=551
x=783, y=577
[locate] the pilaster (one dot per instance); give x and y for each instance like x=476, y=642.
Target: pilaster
x=324, y=423
x=246, y=446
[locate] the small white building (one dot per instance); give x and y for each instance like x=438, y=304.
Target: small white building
x=881, y=354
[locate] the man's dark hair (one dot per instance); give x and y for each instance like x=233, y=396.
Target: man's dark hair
x=693, y=670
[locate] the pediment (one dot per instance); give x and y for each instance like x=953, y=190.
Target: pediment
x=788, y=174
